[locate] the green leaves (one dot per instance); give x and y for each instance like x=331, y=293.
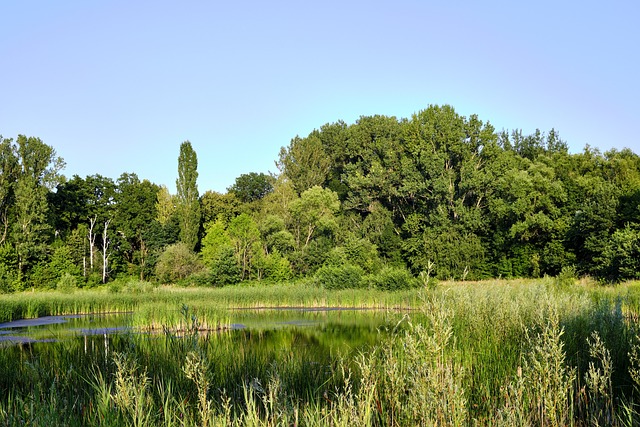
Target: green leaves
x=315, y=209
x=188, y=199
x=252, y=187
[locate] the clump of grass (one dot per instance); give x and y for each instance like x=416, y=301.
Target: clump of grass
x=599, y=403
x=542, y=392
x=414, y=379
x=132, y=390
x=525, y=347
x=196, y=369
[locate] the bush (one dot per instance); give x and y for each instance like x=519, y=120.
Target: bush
x=345, y=276
x=276, y=267
x=136, y=286
x=93, y=279
x=224, y=268
x=359, y=252
x=177, y=262
x=201, y=278
x=392, y=279
x=7, y=279
x=567, y=277
x=67, y=283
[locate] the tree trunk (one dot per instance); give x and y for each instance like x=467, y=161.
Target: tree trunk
x=92, y=240
x=105, y=247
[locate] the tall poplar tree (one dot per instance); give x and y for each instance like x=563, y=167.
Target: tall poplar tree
x=188, y=198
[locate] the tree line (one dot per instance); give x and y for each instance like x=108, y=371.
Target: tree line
x=380, y=202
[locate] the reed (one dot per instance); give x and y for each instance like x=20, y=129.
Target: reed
x=492, y=353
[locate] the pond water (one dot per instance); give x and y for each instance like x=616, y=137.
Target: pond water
x=358, y=322
x=56, y=328
x=309, y=351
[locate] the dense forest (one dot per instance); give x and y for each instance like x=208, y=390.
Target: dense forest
x=384, y=202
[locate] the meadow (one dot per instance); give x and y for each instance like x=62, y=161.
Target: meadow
x=502, y=353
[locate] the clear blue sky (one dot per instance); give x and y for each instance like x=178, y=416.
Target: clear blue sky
x=115, y=86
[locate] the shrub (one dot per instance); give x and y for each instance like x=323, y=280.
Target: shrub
x=224, y=267
x=345, y=276
x=201, y=278
x=392, y=279
x=67, y=283
x=620, y=258
x=137, y=286
x=567, y=277
x=7, y=278
x=93, y=279
x=177, y=262
x=277, y=267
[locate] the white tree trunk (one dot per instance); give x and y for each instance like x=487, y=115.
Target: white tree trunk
x=92, y=239
x=105, y=248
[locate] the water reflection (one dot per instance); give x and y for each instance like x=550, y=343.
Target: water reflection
x=55, y=328
x=322, y=324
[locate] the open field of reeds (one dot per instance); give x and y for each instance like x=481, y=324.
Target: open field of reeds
x=503, y=353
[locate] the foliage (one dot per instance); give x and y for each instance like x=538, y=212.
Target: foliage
x=243, y=233
x=392, y=279
x=223, y=267
x=312, y=213
x=189, y=211
x=165, y=205
x=252, y=187
x=436, y=192
x=567, y=277
x=177, y=262
x=345, y=276
x=620, y=258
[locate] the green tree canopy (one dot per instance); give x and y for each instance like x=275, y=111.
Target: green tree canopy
x=252, y=186
x=188, y=200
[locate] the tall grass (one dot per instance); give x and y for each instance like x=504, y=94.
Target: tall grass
x=494, y=353
x=165, y=299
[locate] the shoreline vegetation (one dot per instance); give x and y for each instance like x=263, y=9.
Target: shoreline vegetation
x=498, y=352
x=137, y=296
x=380, y=203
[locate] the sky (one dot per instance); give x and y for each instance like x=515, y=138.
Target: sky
x=116, y=86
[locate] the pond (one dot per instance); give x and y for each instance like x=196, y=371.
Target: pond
x=319, y=320
x=55, y=328
x=68, y=363
x=306, y=349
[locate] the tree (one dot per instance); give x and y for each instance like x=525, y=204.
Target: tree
x=30, y=229
x=305, y=162
x=620, y=258
x=105, y=250
x=218, y=254
x=188, y=202
x=315, y=209
x=134, y=215
x=250, y=187
x=8, y=177
x=38, y=173
x=165, y=205
x=177, y=262
x=243, y=232
x=214, y=240
x=216, y=206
